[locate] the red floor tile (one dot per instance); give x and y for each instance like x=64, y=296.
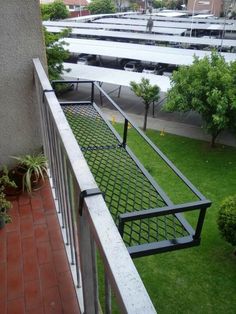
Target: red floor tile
x=15, y=208
x=14, y=253
x=52, y=220
x=30, y=266
x=3, y=306
x=24, y=198
x=36, y=202
x=3, y=281
x=41, y=233
x=26, y=227
x=38, y=216
x=52, y=301
x=28, y=245
x=44, y=252
x=56, y=239
x=66, y=286
x=3, y=248
x=48, y=276
x=33, y=296
x=15, y=287
x=34, y=271
x=15, y=225
x=16, y=306
x=25, y=210
x=60, y=261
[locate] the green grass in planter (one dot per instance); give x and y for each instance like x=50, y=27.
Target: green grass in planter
x=200, y=279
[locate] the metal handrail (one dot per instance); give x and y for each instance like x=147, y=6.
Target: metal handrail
x=95, y=228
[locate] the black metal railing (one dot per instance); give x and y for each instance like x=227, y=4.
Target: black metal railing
x=147, y=219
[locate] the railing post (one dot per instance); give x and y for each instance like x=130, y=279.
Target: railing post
x=88, y=266
x=92, y=93
x=201, y=218
x=107, y=296
x=125, y=132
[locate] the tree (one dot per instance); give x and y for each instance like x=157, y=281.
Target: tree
x=54, y=11
x=207, y=87
x=101, y=6
x=56, y=53
x=227, y=219
x=168, y=4
x=149, y=93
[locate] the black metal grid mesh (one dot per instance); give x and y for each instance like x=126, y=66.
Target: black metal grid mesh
x=88, y=127
x=118, y=176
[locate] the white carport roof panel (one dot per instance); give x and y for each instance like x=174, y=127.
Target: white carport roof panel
x=179, y=19
x=171, y=14
x=167, y=24
x=137, y=28
x=139, y=52
x=153, y=37
x=112, y=76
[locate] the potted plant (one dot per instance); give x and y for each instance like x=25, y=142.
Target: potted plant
x=33, y=169
x=7, y=182
x=4, y=206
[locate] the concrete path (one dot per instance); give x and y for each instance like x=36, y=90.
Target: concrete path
x=173, y=127
x=187, y=124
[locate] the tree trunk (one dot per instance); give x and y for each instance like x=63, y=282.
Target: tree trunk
x=213, y=138
x=145, y=117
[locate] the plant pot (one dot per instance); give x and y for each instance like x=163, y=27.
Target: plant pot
x=36, y=184
x=2, y=222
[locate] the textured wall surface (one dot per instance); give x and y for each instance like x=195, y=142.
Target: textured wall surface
x=21, y=40
x=213, y=6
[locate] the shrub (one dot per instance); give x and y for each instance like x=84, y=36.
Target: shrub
x=227, y=219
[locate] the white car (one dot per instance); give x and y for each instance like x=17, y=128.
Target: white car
x=150, y=69
x=131, y=66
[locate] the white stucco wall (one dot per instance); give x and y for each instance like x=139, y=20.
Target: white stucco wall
x=21, y=40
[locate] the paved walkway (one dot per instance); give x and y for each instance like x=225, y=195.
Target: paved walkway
x=173, y=127
x=34, y=270
x=187, y=124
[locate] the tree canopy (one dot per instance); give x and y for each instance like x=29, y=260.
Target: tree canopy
x=54, y=11
x=101, y=6
x=149, y=93
x=207, y=87
x=168, y=4
x=56, y=53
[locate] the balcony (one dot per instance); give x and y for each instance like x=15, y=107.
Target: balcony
x=49, y=253
x=73, y=232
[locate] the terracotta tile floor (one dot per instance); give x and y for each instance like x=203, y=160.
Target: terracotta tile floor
x=34, y=270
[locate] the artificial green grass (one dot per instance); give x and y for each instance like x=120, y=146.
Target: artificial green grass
x=200, y=279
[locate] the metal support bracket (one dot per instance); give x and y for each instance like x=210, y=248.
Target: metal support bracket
x=86, y=193
x=47, y=91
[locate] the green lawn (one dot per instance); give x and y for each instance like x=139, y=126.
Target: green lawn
x=200, y=279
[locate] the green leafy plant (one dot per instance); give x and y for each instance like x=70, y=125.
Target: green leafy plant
x=208, y=88
x=34, y=169
x=149, y=93
x=227, y=219
x=5, y=180
x=4, y=206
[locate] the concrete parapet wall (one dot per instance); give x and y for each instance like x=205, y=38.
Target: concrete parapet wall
x=21, y=41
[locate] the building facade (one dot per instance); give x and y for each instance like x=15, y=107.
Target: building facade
x=75, y=7
x=215, y=7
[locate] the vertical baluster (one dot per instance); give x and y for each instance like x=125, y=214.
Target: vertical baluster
x=88, y=262
x=107, y=296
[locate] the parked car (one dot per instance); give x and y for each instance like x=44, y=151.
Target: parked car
x=132, y=66
x=168, y=70
x=150, y=69
x=87, y=59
